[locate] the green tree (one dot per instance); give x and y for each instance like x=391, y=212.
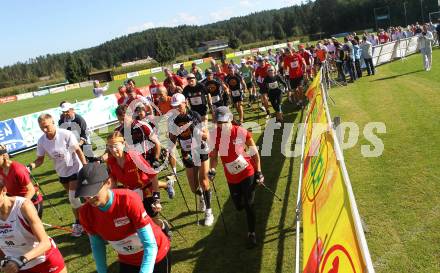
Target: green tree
x=83, y=69
x=71, y=70
x=164, y=52
x=234, y=42
x=278, y=31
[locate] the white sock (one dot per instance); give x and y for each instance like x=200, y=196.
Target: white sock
x=174, y=169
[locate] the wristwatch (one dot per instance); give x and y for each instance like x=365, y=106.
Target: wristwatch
x=24, y=260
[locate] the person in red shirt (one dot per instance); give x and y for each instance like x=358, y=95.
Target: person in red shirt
x=219, y=74
x=130, y=84
x=123, y=95
x=154, y=88
x=383, y=37
x=308, y=58
x=242, y=169
x=170, y=76
x=294, y=65
x=16, y=178
x=224, y=66
x=260, y=74
x=118, y=217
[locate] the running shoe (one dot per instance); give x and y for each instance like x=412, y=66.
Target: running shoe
x=170, y=187
x=251, y=241
x=209, y=217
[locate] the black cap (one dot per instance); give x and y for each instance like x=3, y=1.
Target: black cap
x=90, y=179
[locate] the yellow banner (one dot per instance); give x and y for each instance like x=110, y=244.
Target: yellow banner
x=230, y=55
x=144, y=72
x=119, y=77
x=330, y=243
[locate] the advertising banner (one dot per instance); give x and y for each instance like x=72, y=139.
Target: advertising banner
x=58, y=89
x=332, y=241
x=176, y=66
x=72, y=86
x=10, y=135
x=25, y=96
x=144, y=72
x=132, y=74
x=230, y=55
x=156, y=70
x=41, y=93
x=119, y=77
x=85, y=84
x=198, y=61
x=7, y=99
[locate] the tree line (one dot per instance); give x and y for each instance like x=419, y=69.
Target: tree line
x=164, y=44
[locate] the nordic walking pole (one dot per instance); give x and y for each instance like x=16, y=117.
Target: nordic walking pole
x=45, y=195
x=180, y=187
x=58, y=227
x=271, y=191
x=220, y=208
x=172, y=226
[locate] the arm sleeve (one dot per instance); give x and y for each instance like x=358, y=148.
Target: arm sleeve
x=146, y=236
x=40, y=149
x=99, y=254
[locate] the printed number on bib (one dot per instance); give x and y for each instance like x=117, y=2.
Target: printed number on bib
x=246, y=74
x=186, y=144
x=273, y=85
x=294, y=64
x=236, y=93
x=129, y=245
x=237, y=166
x=260, y=79
x=196, y=101
x=215, y=99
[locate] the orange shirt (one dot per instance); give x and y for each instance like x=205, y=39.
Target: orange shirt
x=321, y=54
x=164, y=106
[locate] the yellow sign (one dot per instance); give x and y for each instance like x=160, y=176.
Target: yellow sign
x=144, y=72
x=230, y=55
x=119, y=77
x=330, y=241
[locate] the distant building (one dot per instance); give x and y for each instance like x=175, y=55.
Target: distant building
x=213, y=48
x=102, y=75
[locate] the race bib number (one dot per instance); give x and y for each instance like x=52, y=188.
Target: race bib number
x=246, y=74
x=215, y=99
x=129, y=245
x=260, y=79
x=237, y=166
x=196, y=100
x=294, y=64
x=236, y=93
x=186, y=144
x=273, y=85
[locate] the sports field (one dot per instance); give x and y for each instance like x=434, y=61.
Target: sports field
x=397, y=193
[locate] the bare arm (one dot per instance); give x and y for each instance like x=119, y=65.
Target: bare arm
x=81, y=156
x=37, y=162
x=30, y=191
x=213, y=159
x=255, y=155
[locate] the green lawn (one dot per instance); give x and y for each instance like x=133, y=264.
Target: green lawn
x=397, y=193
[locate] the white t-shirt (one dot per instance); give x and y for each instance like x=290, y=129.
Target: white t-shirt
x=99, y=91
x=61, y=149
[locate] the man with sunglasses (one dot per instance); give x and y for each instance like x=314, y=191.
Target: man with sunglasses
x=216, y=89
x=198, y=96
x=118, y=217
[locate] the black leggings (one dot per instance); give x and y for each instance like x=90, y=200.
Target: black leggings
x=275, y=97
x=164, y=266
x=242, y=195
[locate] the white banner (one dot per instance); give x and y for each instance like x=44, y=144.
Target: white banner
x=25, y=96
x=40, y=93
x=176, y=66
x=156, y=70
x=262, y=49
x=198, y=61
x=132, y=74
x=85, y=84
x=58, y=89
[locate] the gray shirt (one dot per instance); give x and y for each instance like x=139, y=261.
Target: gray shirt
x=367, y=50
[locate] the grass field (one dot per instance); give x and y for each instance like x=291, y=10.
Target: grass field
x=397, y=193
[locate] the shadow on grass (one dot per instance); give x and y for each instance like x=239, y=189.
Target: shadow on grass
x=220, y=253
x=397, y=76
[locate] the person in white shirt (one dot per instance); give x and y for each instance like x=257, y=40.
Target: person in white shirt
x=99, y=91
x=62, y=147
x=367, y=55
x=426, y=39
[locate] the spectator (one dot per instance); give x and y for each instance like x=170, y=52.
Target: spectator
x=349, y=59
x=99, y=91
x=383, y=37
x=425, y=44
x=340, y=59
x=438, y=32
x=182, y=72
x=197, y=72
x=170, y=76
x=357, y=56
x=71, y=121
x=367, y=55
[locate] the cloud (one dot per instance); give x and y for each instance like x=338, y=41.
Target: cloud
x=143, y=26
x=245, y=3
x=222, y=14
x=183, y=18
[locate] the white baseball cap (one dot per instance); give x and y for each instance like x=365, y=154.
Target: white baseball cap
x=177, y=99
x=243, y=61
x=66, y=106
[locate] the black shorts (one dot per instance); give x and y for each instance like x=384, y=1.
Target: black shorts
x=275, y=97
x=296, y=82
x=239, y=98
x=66, y=180
x=243, y=193
x=190, y=163
x=249, y=85
x=163, y=266
x=261, y=89
x=201, y=110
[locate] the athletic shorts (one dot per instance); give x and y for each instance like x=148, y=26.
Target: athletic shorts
x=190, y=164
x=201, y=110
x=296, y=82
x=66, y=180
x=238, y=98
x=249, y=85
x=261, y=88
x=54, y=263
x=275, y=97
x=163, y=266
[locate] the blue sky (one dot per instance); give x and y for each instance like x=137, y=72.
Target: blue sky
x=33, y=28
